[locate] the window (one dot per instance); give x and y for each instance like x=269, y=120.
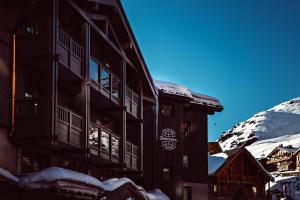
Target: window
x=105, y=141
x=105, y=82
x=115, y=146
x=166, y=110
x=94, y=71
x=229, y=173
x=185, y=161
x=167, y=174
x=93, y=136
x=186, y=128
x=115, y=88
x=187, y=193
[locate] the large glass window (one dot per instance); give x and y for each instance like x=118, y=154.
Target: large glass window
x=105, y=82
x=105, y=141
x=93, y=136
x=94, y=70
x=115, y=146
x=115, y=88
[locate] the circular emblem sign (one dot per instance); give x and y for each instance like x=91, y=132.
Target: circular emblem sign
x=168, y=139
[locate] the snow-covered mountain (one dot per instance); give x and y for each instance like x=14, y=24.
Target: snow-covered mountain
x=266, y=130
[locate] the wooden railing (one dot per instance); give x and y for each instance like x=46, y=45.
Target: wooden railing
x=239, y=178
x=69, y=126
x=132, y=102
x=106, y=80
x=104, y=143
x=131, y=159
x=70, y=53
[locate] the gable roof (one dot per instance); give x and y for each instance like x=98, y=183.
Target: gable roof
x=213, y=148
x=232, y=155
x=288, y=149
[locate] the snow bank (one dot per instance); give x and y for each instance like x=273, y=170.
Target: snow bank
x=8, y=175
x=41, y=178
x=215, y=162
x=114, y=183
x=157, y=194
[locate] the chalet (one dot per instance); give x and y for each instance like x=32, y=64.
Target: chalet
x=181, y=153
x=235, y=174
x=76, y=94
x=214, y=147
x=281, y=159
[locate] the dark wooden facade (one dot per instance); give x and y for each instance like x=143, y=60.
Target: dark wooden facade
x=182, y=145
x=281, y=159
x=213, y=148
x=239, y=177
x=75, y=88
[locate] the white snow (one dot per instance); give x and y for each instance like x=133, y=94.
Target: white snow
x=36, y=179
x=292, y=184
x=215, y=161
x=8, y=175
x=114, y=183
x=157, y=194
x=266, y=130
x=173, y=88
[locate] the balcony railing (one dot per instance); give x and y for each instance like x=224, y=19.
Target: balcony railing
x=132, y=102
x=70, y=53
x=239, y=178
x=131, y=156
x=69, y=127
x=104, y=143
x=108, y=83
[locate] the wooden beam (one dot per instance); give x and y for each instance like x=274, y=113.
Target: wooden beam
x=149, y=99
x=140, y=84
x=104, y=2
x=136, y=48
x=124, y=114
x=97, y=17
x=101, y=33
x=115, y=36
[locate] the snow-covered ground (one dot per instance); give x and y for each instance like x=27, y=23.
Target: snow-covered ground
x=266, y=130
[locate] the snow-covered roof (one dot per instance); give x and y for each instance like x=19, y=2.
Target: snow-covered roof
x=157, y=194
x=216, y=161
x=8, y=175
x=173, y=89
x=182, y=91
x=41, y=178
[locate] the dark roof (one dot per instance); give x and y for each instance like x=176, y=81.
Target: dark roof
x=234, y=153
x=214, y=147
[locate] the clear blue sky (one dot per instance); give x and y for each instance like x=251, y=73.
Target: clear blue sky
x=246, y=53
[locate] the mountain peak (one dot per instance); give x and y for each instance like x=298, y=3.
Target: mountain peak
x=281, y=121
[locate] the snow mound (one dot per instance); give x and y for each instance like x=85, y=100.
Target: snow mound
x=157, y=194
x=266, y=129
x=36, y=179
x=8, y=175
x=215, y=162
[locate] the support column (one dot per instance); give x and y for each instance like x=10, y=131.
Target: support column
x=86, y=86
x=123, y=113
x=141, y=127
x=54, y=65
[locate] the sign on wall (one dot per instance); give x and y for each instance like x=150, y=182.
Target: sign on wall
x=168, y=139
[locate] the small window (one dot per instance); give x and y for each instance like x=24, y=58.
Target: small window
x=94, y=71
x=167, y=174
x=105, y=141
x=115, y=146
x=229, y=172
x=93, y=136
x=166, y=110
x=186, y=128
x=185, y=161
x=105, y=80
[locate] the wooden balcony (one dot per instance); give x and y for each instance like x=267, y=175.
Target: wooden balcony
x=69, y=128
x=131, y=156
x=104, y=143
x=132, y=102
x=105, y=81
x=70, y=53
x=239, y=179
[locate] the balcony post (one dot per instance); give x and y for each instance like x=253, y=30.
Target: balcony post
x=54, y=66
x=141, y=109
x=86, y=87
x=123, y=113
